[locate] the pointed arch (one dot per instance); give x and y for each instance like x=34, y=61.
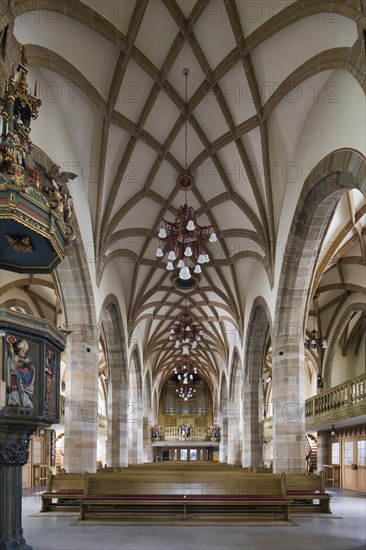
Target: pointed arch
x=113, y=334
x=258, y=340
x=135, y=409
x=112, y=327
x=224, y=421
x=335, y=333
x=147, y=417
x=234, y=411
x=223, y=394
x=258, y=336
x=147, y=393
x=135, y=374
x=82, y=353
x=235, y=375
x=155, y=407
x=338, y=172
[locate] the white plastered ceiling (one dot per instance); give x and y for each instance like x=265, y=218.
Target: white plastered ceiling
x=127, y=118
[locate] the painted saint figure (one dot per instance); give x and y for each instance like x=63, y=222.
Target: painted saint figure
x=50, y=381
x=21, y=373
x=214, y=432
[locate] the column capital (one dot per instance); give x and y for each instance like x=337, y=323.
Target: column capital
x=14, y=447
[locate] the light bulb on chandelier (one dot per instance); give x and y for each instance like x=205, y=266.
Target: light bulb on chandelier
x=184, y=273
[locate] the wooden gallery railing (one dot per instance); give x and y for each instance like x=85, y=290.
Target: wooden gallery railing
x=346, y=400
x=175, y=433
x=340, y=402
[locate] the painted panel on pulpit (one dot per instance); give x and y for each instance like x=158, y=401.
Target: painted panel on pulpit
x=22, y=370
x=29, y=368
x=51, y=382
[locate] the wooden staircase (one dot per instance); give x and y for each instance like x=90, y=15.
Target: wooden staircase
x=311, y=452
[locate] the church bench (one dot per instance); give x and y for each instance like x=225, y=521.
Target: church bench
x=303, y=489
x=162, y=466
x=190, y=470
x=184, y=466
x=188, y=467
x=181, y=476
x=111, y=470
x=247, y=495
x=62, y=491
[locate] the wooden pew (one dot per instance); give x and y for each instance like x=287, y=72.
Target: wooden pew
x=245, y=495
x=111, y=470
x=159, y=466
x=181, y=476
x=63, y=491
x=162, y=467
x=303, y=489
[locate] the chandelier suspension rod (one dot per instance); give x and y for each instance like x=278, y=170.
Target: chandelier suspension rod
x=184, y=239
x=186, y=121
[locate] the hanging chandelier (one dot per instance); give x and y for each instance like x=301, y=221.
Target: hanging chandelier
x=315, y=341
x=186, y=333
x=184, y=239
x=185, y=374
x=185, y=370
x=185, y=392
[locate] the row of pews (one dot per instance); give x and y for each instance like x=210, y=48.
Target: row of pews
x=186, y=491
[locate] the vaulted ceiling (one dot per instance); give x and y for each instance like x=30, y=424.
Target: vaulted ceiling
x=116, y=70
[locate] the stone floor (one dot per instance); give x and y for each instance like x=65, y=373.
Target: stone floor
x=345, y=529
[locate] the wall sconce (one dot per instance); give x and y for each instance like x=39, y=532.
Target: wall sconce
x=320, y=383
x=333, y=432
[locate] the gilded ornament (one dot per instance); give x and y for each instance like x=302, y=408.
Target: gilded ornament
x=20, y=245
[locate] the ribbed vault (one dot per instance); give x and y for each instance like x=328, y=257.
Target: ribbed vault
x=137, y=99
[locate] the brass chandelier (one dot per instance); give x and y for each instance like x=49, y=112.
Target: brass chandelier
x=186, y=333
x=315, y=341
x=184, y=238
x=185, y=373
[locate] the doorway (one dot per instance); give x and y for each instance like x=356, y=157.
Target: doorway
x=354, y=464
